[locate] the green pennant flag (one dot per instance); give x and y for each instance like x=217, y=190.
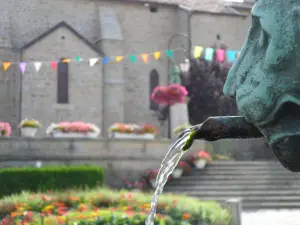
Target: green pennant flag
x=77, y=59
x=169, y=53
x=132, y=58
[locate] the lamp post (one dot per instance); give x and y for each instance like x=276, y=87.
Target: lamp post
x=175, y=69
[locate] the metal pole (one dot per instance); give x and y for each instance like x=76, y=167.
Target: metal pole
x=189, y=57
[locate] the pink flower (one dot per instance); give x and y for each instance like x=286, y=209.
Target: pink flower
x=5, y=129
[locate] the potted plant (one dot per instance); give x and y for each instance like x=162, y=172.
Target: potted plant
x=177, y=94
x=73, y=129
x=132, y=131
x=29, y=127
x=94, y=131
x=181, y=168
x=178, y=130
x=149, y=131
x=150, y=177
x=201, y=159
x=5, y=129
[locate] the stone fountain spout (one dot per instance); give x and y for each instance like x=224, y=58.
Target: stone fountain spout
x=265, y=84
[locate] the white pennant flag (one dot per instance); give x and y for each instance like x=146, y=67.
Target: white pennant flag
x=37, y=66
x=93, y=61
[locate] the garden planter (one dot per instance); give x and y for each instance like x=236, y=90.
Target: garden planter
x=200, y=164
x=177, y=173
x=132, y=136
x=69, y=135
x=92, y=134
x=28, y=131
x=153, y=183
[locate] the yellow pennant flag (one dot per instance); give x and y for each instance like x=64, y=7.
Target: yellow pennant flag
x=119, y=58
x=156, y=55
x=66, y=60
x=145, y=58
x=6, y=65
x=198, y=51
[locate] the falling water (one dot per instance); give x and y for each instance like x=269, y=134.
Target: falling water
x=168, y=164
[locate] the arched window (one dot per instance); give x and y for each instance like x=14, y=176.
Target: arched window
x=62, y=82
x=154, y=82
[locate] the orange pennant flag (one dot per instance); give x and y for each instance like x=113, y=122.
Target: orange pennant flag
x=119, y=58
x=6, y=65
x=66, y=60
x=156, y=55
x=145, y=58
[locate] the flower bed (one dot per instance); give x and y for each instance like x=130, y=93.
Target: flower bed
x=73, y=129
x=132, y=131
x=104, y=205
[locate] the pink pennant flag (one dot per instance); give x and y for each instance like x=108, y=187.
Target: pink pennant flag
x=23, y=67
x=220, y=55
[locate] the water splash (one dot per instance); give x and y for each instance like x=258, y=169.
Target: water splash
x=174, y=154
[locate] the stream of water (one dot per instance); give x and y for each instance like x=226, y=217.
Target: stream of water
x=167, y=166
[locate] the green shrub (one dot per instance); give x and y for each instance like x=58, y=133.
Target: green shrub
x=16, y=180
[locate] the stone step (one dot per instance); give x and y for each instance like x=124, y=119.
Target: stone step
x=249, y=206
x=245, y=163
x=244, y=173
x=221, y=188
x=238, y=193
x=239, y=177
x=204, y=182
x=253, y=199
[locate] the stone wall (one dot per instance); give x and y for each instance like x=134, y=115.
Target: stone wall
x=120, y=158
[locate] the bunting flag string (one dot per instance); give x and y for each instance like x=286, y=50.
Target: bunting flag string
x=198, y=52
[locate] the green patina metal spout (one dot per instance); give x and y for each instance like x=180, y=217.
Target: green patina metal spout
x=265, y=84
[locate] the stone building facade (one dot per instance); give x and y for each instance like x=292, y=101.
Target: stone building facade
x=43, y=30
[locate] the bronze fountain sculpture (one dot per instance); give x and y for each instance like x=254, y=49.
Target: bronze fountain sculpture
x=265, y=84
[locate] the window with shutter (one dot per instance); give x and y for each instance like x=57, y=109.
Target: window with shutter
x=62, y=82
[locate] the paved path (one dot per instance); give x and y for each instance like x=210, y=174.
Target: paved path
x=271, y=217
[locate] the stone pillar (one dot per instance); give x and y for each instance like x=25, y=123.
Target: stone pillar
x=111, y=43
x=235, y=208
x=179, y=116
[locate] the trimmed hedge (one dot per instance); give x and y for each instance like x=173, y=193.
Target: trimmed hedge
x=16, y=180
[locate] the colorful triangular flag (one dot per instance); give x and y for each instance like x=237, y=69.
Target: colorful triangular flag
x=169, y=53
x=132, y=58
x=145, y=58
x=231, y=55
x=105, y=60
x=37, y=66
x=53, y=64
x=198, y=51
x=119, y=58
x=209, y=53
x=156, y=55
x=66, y=60
x=93, y=61
x=220, y=55
x=78, y=59
x=6, y=65
x=22, y=66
